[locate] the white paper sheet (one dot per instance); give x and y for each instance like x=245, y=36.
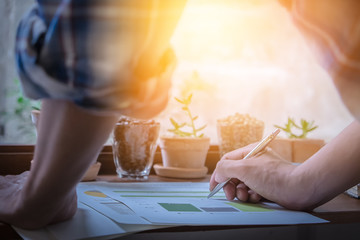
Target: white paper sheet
x=86, y=223
x=187, y=203
x=117, y=211
x=157, y=205
x=40, y=234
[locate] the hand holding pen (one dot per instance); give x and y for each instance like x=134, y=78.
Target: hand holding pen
x=259, y=147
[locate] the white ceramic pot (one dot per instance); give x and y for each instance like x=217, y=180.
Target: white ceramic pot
x=184, y=152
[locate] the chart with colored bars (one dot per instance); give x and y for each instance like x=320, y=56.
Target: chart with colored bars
x=182, y=203
x=187, y=207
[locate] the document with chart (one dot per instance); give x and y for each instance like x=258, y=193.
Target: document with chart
x=181, y=203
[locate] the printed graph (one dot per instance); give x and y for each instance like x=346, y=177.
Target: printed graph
x=166, y=194
x=179, y=207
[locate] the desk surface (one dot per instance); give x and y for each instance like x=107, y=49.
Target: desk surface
x=343, y=212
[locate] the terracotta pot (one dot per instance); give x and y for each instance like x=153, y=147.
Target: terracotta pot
x=296, y=150
x=282, y=146
x=94, y=168
x=184, y=152
x=304, y=148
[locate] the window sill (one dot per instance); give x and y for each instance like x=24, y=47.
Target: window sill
x=15, y=159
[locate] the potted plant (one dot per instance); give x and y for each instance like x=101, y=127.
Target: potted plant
x=184, y=152
x=297, y=147
x=14, y=118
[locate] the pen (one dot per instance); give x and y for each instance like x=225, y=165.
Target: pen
x=259, y=147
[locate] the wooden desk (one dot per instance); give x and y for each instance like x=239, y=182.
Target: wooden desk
x=343, y=212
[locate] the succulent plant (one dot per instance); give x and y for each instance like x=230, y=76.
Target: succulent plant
x=305, y=127
x=178, y=129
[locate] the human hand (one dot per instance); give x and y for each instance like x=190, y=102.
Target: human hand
x=263, y=175
x=234, y=188
x=15, y=209
x=10, y=187
x=10, y=180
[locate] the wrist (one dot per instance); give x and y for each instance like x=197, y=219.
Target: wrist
x=302, y=189
x=34, y=213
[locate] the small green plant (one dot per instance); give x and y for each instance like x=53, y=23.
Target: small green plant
x=15, y=118
x=178, y=127
x=305, y=127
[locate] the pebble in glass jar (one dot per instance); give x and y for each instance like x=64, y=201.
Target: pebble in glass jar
x=134, y=146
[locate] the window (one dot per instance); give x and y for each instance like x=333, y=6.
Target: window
x=248, y=57
x=233, y=56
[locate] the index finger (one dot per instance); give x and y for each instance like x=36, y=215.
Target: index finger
x=213, y=183
x=239, y=153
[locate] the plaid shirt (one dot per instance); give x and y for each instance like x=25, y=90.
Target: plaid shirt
x=106, y=55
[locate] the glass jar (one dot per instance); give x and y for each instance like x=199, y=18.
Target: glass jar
x=134, y=146
x=237, y=131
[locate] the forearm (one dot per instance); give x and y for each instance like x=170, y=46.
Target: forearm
x=333, y=169
x=69, y=140
x=329, y=172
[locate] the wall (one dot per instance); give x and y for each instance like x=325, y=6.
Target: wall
x=10, y=13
